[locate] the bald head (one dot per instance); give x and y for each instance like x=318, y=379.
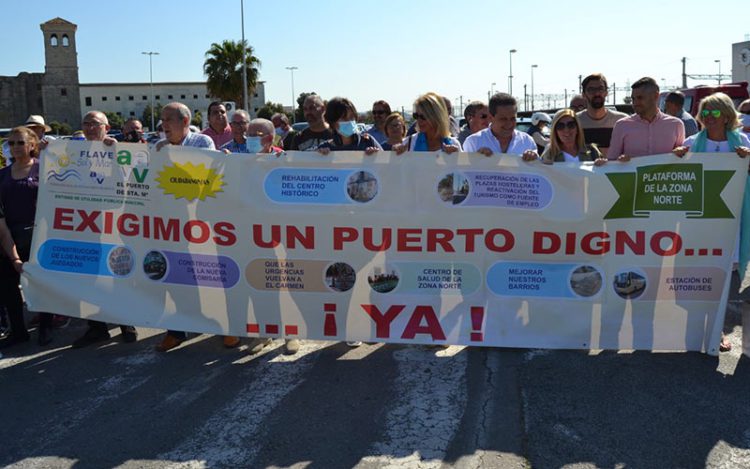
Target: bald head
x=175, y=119
x=95, y=126
x=264, y=129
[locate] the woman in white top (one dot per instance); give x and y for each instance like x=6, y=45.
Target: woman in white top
x=720, y=132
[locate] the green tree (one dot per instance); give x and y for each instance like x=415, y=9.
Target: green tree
x=269, y=109
x=60, y=128
x=299, y=113
x=197, y=120
x=146, y=117
x=115, y=120
x=223, y=67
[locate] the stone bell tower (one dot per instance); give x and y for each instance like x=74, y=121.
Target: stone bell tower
x=60, y=87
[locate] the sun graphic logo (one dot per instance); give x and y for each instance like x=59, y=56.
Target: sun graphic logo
x=190, y=181
x=63, y=161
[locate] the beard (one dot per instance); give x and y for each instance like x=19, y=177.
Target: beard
x=597, y=103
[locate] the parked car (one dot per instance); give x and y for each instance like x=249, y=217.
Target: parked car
x=300, y=126
x=737, y=91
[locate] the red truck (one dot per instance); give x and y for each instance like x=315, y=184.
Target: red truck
x=737, y=91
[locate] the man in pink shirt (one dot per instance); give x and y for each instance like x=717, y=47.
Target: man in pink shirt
x=218, y=125
x=649, y=131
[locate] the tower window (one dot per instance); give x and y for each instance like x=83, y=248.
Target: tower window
x=104, y=98
x=169, y=96
x=132, y=113
x=195, y=96
x=63, y=92
x=53, y=40
x=65, y=40
x=145, y=98
x=182, y=96
x=88, y=100
x=157, y=97
x=130, y=98
x=117, y=98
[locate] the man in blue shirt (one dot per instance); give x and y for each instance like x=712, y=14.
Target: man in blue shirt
x=673, y=106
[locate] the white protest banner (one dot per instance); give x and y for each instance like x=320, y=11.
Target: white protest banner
x=418, y=248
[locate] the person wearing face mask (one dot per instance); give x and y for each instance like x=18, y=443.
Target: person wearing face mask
x=251, y=136
x=284, y=132
x=341, y=116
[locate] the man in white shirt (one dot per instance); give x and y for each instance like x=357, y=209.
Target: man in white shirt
x=501, y=136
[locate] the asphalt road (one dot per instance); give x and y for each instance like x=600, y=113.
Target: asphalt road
x=377, y=406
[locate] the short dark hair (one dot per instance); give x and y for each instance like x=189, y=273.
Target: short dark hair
x=594, y=77
x=385, y=105
x=214, y=103
x=338, y=107
x=645, y=82
x=676, y=97
x=132, y=119
x=472, y=108
x=501, y=99
x=448, y=106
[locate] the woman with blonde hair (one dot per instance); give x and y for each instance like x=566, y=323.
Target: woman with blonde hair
x=567, y=144
x=720, y=133
x=433, y=127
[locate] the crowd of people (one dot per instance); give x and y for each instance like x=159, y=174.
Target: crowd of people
x=586, y=131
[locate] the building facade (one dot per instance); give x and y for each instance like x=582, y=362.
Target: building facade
x=57, y=94
x=741, y=62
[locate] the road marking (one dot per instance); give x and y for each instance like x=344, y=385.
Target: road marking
x=231, y=437
x=431, y=390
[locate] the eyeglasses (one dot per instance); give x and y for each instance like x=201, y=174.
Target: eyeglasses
x=595, y=89
x=378, y=113
x=419, y=116
x=716, y=113
x=16, y=142
x=570, y=125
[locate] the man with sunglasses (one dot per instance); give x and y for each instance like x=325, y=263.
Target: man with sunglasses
x=673, y=106
x=597, y=121
x=477, y=116
x=380, y=112
x=649, y=131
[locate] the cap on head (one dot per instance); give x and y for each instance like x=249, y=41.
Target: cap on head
x=538, y=117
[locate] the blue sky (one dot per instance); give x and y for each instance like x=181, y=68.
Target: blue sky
x=388, y=49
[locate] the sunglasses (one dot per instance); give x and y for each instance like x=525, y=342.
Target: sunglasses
x=16, y=142
x=570, y=125
x=419, y=116
x=716, y=113
x=379, y=113
x=482, y=116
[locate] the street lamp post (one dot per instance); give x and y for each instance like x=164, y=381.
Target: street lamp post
x=151, y=81
x=294, y=114
x=510, y=74
x=719, y=62
x=244, y=60
x=492, y=89
x=532, y=85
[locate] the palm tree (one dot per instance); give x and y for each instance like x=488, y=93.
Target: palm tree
x=223, y=66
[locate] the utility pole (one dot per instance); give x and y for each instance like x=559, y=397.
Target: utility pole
x=580, y=84
x=525, y=99
x=151, y=80
x=246, y=105
x=684, y=74
x=294, y=109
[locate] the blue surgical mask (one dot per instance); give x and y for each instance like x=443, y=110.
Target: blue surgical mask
x=279, y=131
x=253, y=144
x=347, y=128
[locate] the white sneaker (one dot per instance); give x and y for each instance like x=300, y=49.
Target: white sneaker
x=256, y=345
x=354, y=343
x=291, y=346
